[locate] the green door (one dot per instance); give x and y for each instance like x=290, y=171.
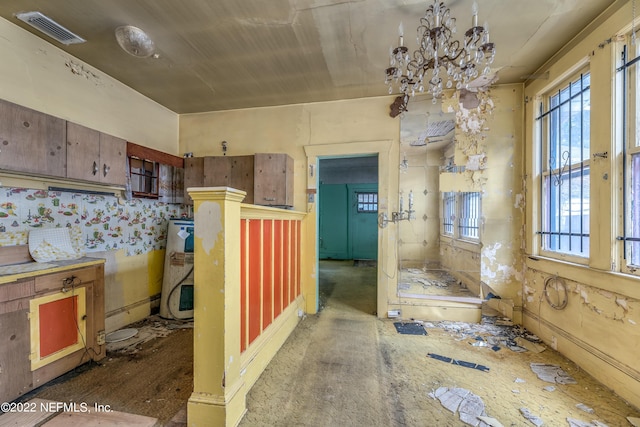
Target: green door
x=348, y=224
x=332, y=222
x=363, y=220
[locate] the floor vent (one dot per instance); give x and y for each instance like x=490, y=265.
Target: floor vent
x=50, y=27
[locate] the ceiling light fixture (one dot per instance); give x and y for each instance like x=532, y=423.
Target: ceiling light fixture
x=134, y=41
x=440, y=62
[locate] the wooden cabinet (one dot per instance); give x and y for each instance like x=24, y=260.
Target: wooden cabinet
x=193, y=175
x=273, y=175
x=95, y=156
x=267, y=178
x=31, y=141
x=49, y=324
x=230, y=171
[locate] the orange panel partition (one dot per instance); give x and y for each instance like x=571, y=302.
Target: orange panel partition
x=243, y=285
x=270, y=273
x=286, y=250
x=267, y=268
x=255, y=285
x=277, y=268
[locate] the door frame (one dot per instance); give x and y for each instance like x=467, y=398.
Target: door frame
x=388, y=176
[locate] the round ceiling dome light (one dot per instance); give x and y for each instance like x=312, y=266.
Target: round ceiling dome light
x=134, y=41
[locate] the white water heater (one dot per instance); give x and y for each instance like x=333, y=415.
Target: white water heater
x=176, y=301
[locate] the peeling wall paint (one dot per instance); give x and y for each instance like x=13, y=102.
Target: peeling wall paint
x=210, y=219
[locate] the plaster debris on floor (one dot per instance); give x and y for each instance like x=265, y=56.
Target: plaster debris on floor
x=552, y=374
x=578, y=423
x=468, y=406
x=151, y=328
x=534, y=419
x=493, y=332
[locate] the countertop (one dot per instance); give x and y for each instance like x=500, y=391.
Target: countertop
x=11, y=273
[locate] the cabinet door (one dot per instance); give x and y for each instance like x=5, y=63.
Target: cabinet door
x=242, y=176
x=83, y=152
x=113, y=160
x=193, y=175
x=230, y=171
x=273, y=180
x=14, y=355
x=31, y=141
x=216, y=171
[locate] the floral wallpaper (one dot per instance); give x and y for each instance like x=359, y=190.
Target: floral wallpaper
x=107, y=222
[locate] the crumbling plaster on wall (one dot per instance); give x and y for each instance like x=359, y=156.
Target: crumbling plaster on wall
x=499, y=273
x=581, y=299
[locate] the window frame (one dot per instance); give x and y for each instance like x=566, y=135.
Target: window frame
x=629, y=130
x=550, y=169
x=363, y=205
x=454, y=206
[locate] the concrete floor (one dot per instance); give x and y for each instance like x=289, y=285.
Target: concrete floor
x=346, y=367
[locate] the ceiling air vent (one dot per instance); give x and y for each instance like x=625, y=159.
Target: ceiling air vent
x=50, y=27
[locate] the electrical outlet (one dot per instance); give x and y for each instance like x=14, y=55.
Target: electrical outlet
x=101, y=338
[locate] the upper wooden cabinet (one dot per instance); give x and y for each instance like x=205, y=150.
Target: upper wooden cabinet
x=95, y=156
x=193, y=175
x=31, y=141
x=273, y=177
x=230, y=171
x=267, y=178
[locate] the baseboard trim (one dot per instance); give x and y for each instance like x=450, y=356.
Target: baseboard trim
x=627, y=370
x=129, y=307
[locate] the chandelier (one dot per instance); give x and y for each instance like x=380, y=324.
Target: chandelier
x=440, y=62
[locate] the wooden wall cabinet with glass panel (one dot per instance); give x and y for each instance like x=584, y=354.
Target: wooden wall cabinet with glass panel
x=144, y=169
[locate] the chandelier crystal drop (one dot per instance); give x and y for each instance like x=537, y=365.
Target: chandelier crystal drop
x=440, y=62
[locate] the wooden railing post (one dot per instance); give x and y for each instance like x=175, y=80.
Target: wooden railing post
x=219, y=395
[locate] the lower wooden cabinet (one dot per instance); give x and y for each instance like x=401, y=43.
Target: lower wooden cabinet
x=49, y=324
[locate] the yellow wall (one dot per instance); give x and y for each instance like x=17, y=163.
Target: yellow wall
x=40, y=76
x=598, y=327
x=497, y=261
x=307, y=132
x=419, y=244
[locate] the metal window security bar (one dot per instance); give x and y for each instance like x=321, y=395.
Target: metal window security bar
x=469, y=214
x=564, y=154
x=630, y=159
x=448, y=211
x=367, y=202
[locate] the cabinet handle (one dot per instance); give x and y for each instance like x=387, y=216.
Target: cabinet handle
x=72, y=282
x=105, y=169
x=269, y=199
x=95, y=168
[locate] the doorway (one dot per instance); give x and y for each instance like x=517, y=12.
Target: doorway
x=348, y=208
x=347, y=220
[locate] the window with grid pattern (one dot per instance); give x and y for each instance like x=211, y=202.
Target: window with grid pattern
x=631, y=157
x=469, y=215
x=367, y=202
x=461, y=214
x=564, y=125
x=448, y=212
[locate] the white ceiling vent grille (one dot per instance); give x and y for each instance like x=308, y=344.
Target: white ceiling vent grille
x=50, y=27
